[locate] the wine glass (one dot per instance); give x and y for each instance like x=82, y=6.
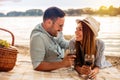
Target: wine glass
x=71, y=52
x=89, y=61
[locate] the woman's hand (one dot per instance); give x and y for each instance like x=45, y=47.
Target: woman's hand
x=93, y=73
x=83, y=70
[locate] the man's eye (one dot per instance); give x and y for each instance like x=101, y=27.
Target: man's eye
x=61, y=25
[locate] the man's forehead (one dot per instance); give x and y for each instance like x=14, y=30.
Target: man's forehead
x=60, y=20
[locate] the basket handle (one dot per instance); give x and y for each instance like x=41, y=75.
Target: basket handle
x=10, y=33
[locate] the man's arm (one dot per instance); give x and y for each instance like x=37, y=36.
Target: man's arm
x=49, y=66
x=62, y=41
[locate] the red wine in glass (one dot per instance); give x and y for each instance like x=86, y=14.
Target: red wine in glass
x=71, y=52
x=89, y=59
x=88, y=62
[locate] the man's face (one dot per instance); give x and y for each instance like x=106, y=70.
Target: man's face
x=56, y=26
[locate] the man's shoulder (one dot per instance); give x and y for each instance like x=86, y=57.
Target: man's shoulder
x=36, y=31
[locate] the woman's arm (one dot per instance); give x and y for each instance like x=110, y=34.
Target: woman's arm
x=100, y=57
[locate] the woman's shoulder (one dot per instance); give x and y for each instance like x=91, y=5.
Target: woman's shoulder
x=100, y=42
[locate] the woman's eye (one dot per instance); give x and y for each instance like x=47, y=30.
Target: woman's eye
x=80, y=29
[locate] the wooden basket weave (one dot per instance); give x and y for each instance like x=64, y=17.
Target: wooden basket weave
x=8, y=56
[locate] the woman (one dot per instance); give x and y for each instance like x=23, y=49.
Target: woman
x=86, y=43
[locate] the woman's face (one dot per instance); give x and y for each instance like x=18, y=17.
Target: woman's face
x=79, y=32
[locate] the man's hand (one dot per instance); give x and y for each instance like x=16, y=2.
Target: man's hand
x=68, y=60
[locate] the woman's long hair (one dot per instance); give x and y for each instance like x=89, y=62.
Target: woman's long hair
x=86, y=46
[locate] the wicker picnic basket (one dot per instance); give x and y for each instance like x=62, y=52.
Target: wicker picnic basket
x=8, y=56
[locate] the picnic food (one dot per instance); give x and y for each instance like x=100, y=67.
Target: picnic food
x=4, y=43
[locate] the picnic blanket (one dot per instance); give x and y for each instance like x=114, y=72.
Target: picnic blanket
x=23, y=71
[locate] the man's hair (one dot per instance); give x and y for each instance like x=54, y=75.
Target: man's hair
x=53, y=13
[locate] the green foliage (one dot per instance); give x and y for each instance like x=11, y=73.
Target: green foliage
x=103, y=10
x=14, y=13
x=2, y=14
x=112, y=11
x=31, y=12
x=34, y=12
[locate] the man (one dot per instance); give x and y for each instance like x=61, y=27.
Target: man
x=47, y=42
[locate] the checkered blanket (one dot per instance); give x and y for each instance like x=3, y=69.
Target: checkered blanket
x=24, y=71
